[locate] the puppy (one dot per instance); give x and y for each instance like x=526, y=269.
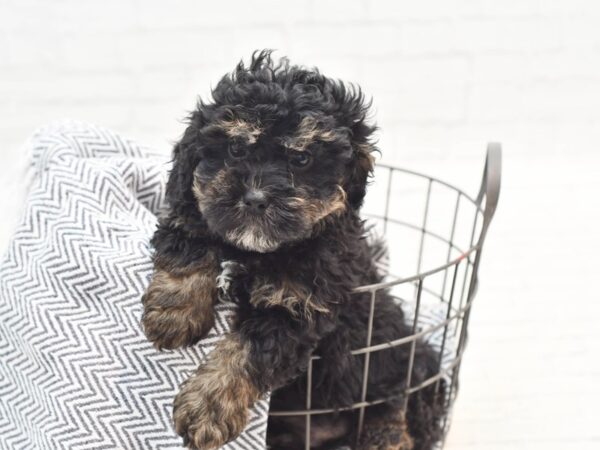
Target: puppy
x=264, y=197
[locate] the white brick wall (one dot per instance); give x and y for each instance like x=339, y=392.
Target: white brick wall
x=446, y=76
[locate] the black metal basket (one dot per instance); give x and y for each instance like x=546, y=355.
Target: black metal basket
x=435, y=235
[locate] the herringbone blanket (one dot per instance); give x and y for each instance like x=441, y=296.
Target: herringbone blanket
x=76, y=371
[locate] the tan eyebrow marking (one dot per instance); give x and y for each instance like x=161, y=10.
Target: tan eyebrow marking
x=309, y=131
x=238, y=128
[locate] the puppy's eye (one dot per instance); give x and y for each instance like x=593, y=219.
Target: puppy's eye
x=300, y=159
x=237, y=151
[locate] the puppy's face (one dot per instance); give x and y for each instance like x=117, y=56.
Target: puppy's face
x=266, y=172
x=261, y=186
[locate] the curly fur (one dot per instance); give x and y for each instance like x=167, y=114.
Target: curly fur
x=290, y=261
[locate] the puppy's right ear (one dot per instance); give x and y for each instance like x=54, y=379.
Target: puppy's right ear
x=361, y=169
x=185, y=159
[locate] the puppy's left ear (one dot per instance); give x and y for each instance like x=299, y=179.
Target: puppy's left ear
x=185, y=158
x=361, y=165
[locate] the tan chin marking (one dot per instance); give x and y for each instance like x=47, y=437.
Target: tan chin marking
x=293, y=296
x=212, y=406
x=250, y=238
x=241, y=129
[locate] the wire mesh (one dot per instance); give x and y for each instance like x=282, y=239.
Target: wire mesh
x=435, y=234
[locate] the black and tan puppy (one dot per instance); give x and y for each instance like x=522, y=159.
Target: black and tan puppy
x=264, y=200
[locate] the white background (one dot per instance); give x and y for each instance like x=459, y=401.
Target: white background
x=446, y=77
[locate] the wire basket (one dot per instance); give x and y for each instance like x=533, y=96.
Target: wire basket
x=435, y=234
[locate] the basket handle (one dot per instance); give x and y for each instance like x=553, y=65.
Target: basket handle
x=490, y=185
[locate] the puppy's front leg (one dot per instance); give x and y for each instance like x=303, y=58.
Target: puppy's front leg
x=212, y=406
x=268, y=348
x=179, y=302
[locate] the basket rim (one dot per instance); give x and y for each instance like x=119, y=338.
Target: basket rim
x=432, y=179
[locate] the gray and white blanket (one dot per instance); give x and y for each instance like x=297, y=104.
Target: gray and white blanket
x=76, y=371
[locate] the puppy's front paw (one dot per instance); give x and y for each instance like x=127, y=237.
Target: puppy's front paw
x=178, y=311
x=208, y=414
x=212, y=406
x=174, y=328
x=389, y=432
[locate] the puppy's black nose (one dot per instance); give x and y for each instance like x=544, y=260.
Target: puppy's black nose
x=255, y=200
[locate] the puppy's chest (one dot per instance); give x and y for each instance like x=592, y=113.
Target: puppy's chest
x=243, y=279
